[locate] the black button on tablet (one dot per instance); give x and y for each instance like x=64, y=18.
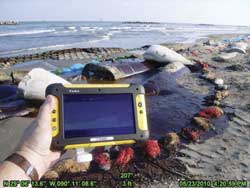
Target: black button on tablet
x=140, y=104
x=54, y=111
x=54, y=119
x=141, y=111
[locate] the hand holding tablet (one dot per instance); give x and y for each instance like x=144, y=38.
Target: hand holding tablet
x=90, y=115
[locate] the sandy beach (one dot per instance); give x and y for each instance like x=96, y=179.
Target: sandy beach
x=220, y=154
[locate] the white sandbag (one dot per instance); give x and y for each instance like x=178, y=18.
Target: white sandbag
x=163, y=54
x=36, y=81
x=240, y=47
x=226, y=56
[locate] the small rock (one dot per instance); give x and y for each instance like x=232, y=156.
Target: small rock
x=84, y=166
x=216, y=103
x=51, y=174
x=219, y=81
x=203, y=123
x=219, y=95
x=209, y=76
x=172, y=139
x=79, y=167
x=63, y=166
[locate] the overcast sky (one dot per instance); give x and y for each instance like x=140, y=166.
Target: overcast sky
x=228, y=12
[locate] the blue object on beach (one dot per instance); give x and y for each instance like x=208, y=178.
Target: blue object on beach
x=236, y=39
x=76, y=67
x=66, y=70
x=95, y=61
x=226, y=41
x=73, y=68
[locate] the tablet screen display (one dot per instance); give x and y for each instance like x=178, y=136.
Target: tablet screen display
x=90, y=115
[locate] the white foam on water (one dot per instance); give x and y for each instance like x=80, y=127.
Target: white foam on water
x=105, y=37
x=121, y=28
x=85, y=28
x=72, y=28
x=32, y=32
x=66, y=31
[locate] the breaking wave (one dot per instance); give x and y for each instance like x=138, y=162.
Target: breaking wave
x=43, y=48
x=32, y=32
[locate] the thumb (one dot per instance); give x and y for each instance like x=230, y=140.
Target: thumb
x=46, y=109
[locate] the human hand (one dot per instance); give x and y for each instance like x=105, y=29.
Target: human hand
x=37, y=140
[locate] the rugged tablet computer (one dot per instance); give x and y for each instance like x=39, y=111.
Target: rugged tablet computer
x=90, y=115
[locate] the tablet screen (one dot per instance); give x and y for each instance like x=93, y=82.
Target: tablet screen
x=90, y=115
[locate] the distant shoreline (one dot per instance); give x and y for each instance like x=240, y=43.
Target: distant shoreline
x=9, y=23
x=139, y=22
x=126, y=22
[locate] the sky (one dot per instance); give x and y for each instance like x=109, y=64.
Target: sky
x=226, y=12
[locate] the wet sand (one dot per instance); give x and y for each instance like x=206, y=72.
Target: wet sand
x=220, y=154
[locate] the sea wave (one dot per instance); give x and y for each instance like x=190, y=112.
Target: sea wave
x=57, y=46
x=104, y=37
x=31, y=32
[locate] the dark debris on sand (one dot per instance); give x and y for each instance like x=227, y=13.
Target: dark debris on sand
x=146, y=171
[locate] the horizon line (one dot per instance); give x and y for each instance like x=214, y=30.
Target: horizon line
x=121, y=21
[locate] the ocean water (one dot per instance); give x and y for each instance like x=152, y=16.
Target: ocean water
x=31, y=37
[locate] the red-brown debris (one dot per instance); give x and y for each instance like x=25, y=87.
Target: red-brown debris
x=211, y=112
x=124, y=156
x=191, y=133
x=151, y=148
x=103, y=161
x=202, y=65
